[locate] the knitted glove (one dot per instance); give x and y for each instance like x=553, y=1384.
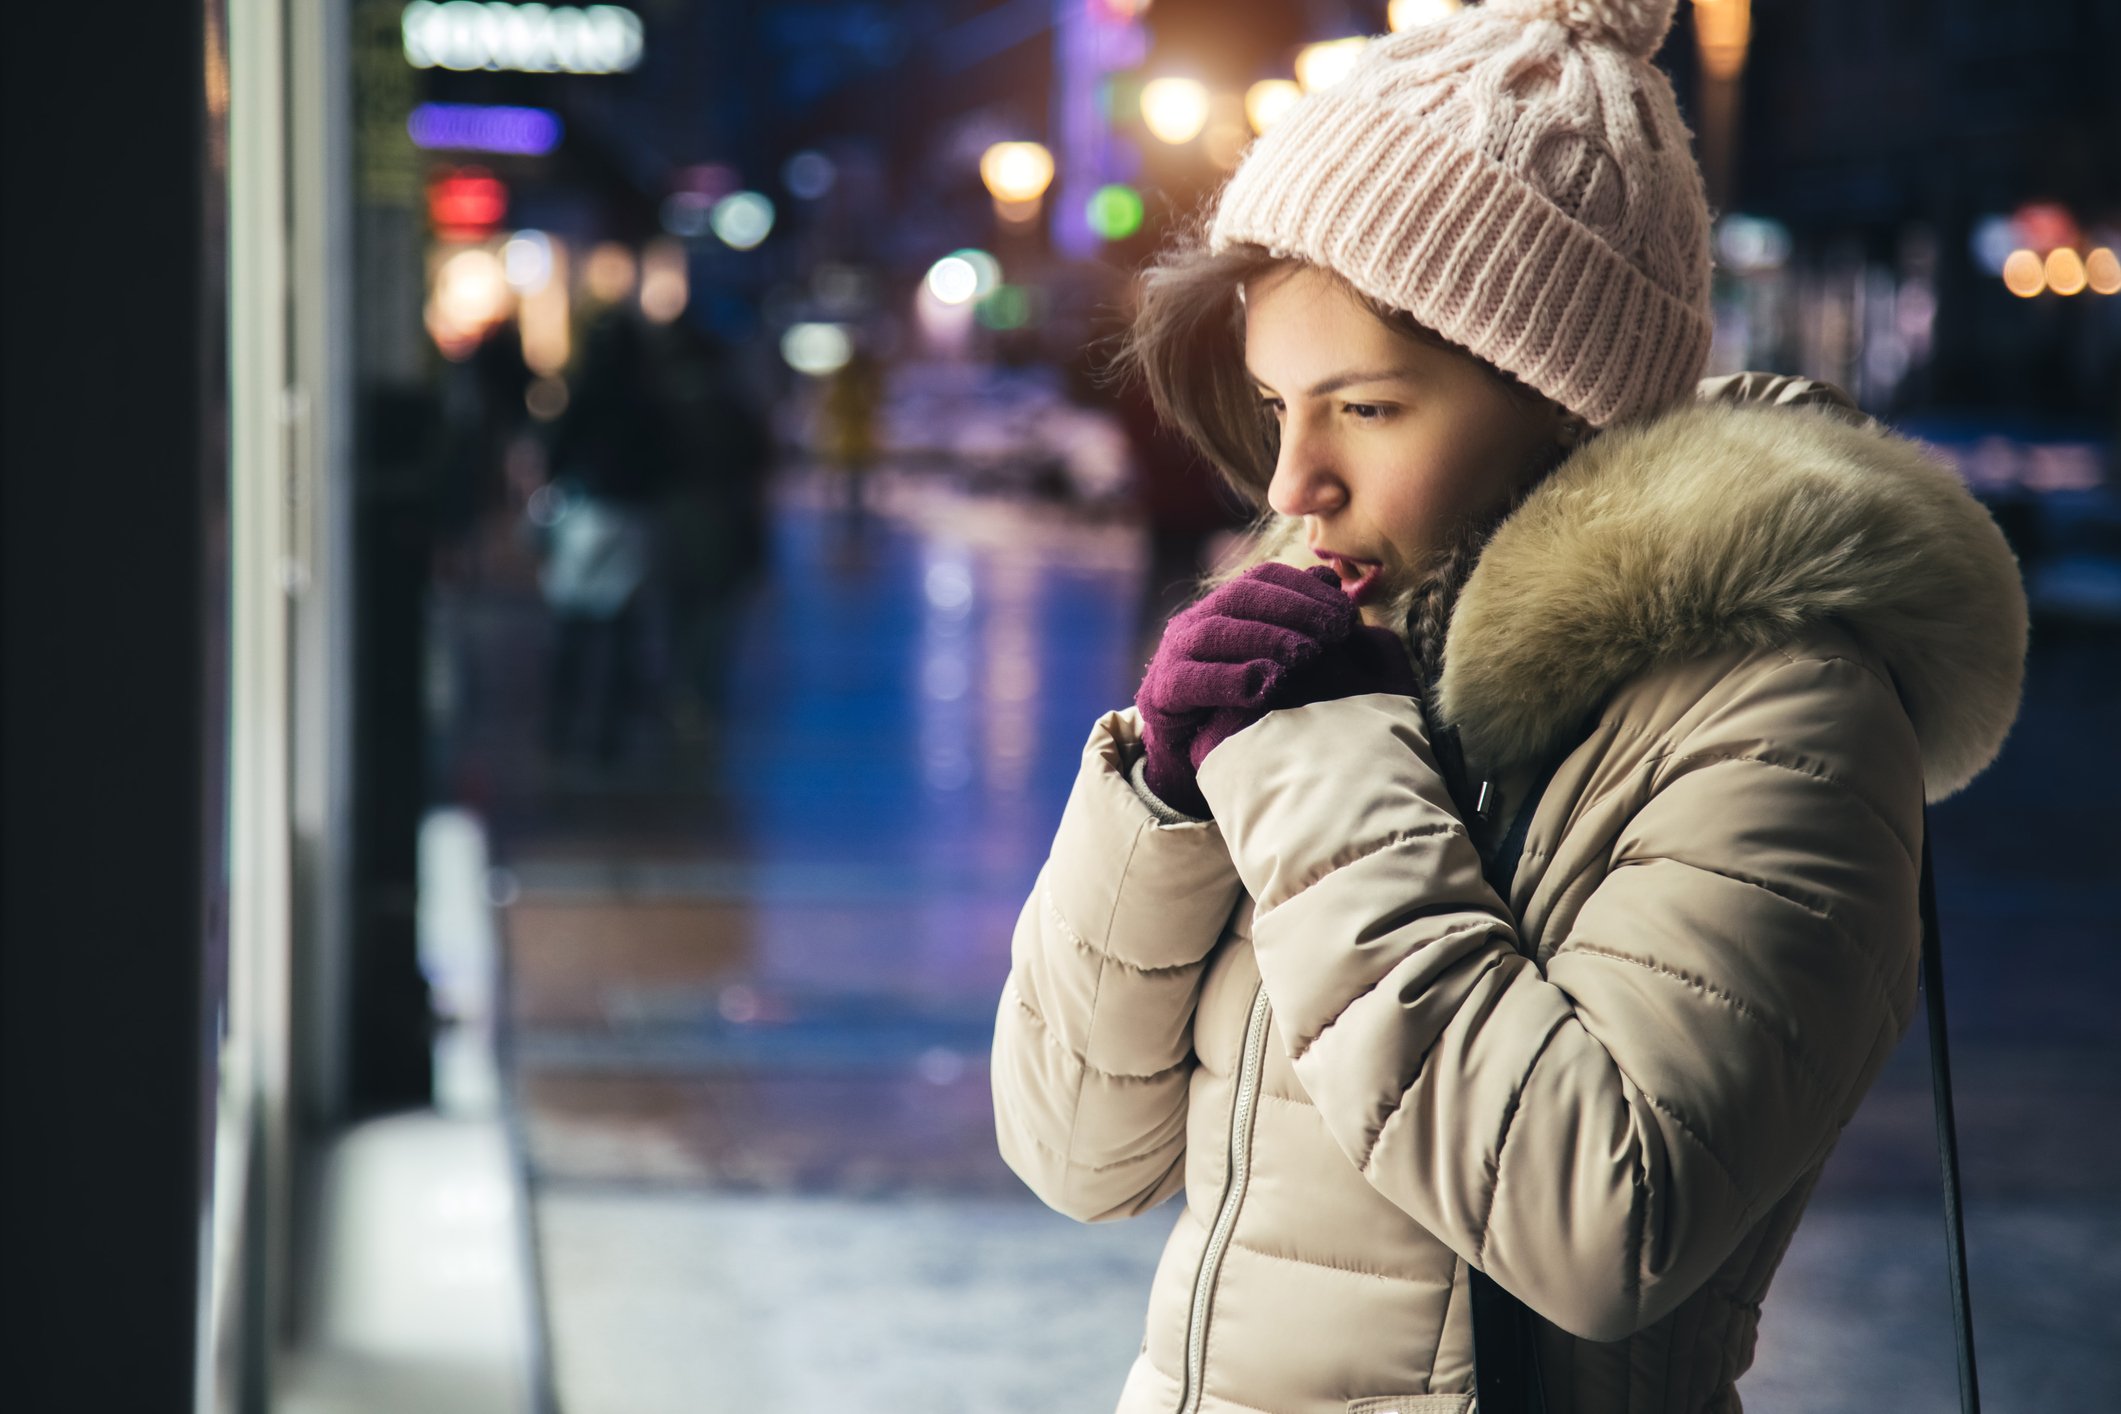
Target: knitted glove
x=1274, y=637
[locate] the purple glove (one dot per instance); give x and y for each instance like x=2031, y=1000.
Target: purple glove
x=1274, y=637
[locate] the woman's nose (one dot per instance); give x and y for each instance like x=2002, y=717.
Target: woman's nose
x=1304, y=482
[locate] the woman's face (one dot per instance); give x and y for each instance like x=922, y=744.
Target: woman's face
x=1387, y=444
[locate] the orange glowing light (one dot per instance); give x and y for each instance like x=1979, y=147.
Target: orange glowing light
x=2065, y=271
x=2102, y=271
x=2024, y=274
x=1723, y=29
x=1268, y=99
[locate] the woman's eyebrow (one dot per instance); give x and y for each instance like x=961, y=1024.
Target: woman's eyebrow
x=1347, y=379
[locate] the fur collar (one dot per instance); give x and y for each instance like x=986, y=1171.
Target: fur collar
x=1714, y=526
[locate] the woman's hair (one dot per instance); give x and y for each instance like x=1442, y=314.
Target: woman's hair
x=1186, y=345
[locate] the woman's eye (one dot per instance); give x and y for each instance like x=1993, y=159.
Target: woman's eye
x=1364, y=412
x=1272, y=407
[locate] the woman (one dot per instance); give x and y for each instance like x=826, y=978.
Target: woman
x=1705, y=658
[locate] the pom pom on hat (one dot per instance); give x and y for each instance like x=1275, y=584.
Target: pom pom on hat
x=1638, y=26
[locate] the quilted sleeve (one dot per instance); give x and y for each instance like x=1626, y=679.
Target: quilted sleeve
x=1596, y=1137
x=1093, y=1042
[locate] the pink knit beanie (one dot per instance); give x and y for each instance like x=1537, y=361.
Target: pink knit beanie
x=1517, y=177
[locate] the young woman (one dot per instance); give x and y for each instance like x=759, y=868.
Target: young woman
x=1704, y=657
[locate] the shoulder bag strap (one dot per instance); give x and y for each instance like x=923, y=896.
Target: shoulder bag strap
x=1947, y=1133
x=1506, y=1373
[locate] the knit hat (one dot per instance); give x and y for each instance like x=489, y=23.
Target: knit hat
x=1515, y=176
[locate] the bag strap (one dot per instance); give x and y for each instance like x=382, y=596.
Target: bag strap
x=1506, y=1373
x=1947, y=1133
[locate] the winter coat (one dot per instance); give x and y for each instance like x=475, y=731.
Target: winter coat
x=1756, y=637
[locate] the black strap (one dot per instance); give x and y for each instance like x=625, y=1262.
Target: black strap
x=1506, y=1374
x=1506, y=1371
x=1947, y=1134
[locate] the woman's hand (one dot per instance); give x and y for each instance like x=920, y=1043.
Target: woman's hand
x=1274, y=637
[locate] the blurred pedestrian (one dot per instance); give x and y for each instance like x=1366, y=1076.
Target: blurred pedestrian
x=714, y=531
x=611, y=455
x=847, y=423
x=1447, y=1124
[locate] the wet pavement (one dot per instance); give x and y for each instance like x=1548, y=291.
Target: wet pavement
x=751, y=982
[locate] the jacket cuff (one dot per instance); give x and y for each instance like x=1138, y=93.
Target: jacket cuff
x=1138, y=777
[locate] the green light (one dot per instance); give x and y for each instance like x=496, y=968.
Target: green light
x=1115, y=212
x=1007, y=308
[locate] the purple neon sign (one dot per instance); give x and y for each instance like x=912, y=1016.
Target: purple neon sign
x=483, y=127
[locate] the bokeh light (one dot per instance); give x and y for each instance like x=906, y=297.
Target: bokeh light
x=963, y=276
x=1115, y=212
x=1406, y=14
x=1007, y=308
x=818, y=350
x=1268, y=99
x=472, y=288
x=527, y=260
x=608, y=272
x=808, y=175
x=1326, y=63
x=666, y=285
x=2102, y=271
x=1016, y=171
x=686, y=213
x=953, y=280
x=1991, y=242
x=1174, y=109
x=470, y=295
x=2065, y=271
x=742, y=219
x=2024, y=275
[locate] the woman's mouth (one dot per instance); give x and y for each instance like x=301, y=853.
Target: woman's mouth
x=1359, y=579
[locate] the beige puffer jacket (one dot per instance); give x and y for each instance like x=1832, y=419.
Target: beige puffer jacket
x=1611, y=1091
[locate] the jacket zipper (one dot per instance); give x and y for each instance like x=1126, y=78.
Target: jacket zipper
x=1241, y=1114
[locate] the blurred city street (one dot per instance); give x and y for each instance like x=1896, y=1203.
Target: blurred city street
x=750, y=1004
x=561, y=559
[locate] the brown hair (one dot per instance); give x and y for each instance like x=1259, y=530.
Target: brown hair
x=1186, y=345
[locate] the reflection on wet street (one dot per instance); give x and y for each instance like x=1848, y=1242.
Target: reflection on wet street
x=752, y=978
x=771, y=961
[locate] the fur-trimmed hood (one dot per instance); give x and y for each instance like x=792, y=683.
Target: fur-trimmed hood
x=1719, y=525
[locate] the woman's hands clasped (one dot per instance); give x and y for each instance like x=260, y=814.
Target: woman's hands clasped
x=1274, y=637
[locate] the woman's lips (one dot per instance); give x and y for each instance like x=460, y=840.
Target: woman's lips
x=1359, y=579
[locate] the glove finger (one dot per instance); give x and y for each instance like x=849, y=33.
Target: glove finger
x=1228, y=640
x=1326, y=619
x=1318, y=582
x=1196, y=686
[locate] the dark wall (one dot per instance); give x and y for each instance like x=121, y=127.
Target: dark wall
x=112, y=590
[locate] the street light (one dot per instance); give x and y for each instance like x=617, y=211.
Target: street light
x=1175, y=109
x=1723, y=29
x=1017, y=175
x=1326, y=63
x=1268, y=99
x=1406, y=14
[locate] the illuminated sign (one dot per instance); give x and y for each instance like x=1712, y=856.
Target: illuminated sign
x=466, y=204
x=531, y=39
x=480, y=127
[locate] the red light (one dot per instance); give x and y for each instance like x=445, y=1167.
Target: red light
x=2046, y=226
x=467, y=202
